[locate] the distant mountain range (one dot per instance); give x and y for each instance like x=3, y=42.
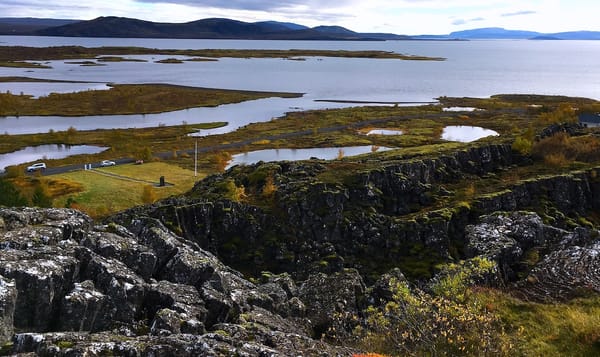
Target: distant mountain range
x=500, y=33
x=217, y=28
x=213, y=28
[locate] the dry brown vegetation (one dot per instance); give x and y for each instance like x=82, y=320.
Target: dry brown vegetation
x=126, y=99
x=20, y=53
x=561, y=149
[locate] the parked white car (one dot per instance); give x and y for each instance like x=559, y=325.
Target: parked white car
x=37, y=166
x=107, y=163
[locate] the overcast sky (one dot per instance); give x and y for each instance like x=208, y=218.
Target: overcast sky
x=409, y=17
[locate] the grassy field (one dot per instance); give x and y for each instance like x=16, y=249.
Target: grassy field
x=111, y=189
x=560, y=329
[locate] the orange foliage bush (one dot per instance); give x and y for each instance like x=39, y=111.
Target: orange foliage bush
x=560, y=149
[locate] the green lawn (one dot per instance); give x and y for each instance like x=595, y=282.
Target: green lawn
x=104, y=194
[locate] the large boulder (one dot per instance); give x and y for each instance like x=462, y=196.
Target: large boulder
x=85, y=309
x=505, y=236
x=42, y=279
x=325, y=296
x=571, y=270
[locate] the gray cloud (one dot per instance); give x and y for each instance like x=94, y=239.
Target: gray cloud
x=41, y=8
x=466, y=21
x=254, y=5
x=519, y=13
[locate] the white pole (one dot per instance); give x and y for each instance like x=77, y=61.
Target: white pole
x=196, y=160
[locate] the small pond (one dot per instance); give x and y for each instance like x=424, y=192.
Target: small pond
x=466, y=133
x=385, y=132
x=44, y=152
x=253, y=157
x=460, y=109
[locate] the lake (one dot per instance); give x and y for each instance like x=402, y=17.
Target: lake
x=473, y=68
x=466, y=133
x=45, y=152
x=267, y=155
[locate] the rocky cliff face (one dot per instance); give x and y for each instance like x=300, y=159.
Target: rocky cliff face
x=165, y=279
x=69, y=287
x=564, y=265
x=323, y=226
x=373, y=220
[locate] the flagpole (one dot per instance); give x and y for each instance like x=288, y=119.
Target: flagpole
x=196, y=160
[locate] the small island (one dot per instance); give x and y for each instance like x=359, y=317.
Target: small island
x=15, y=55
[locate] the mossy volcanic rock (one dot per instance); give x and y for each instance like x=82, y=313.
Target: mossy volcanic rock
x=134, y=287
x=70, y=287
x=313, y=225
x=61, y=297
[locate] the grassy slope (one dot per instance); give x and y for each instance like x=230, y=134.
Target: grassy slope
x=561, y=329
x=101, y=194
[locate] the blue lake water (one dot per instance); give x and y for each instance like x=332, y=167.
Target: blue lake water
x=472, y=68
x=45, y=152
x=466, y=133
x=384, y=132
x=253, y=157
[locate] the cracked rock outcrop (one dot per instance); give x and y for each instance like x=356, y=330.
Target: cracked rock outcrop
x=68, y=287
x=561, y=265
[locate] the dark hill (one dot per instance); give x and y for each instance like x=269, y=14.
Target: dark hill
x=281, y=26
x=107, y=27
x=28, y=25
x=213, y=28
x=335, y=29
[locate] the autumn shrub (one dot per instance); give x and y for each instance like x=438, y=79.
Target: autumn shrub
x=560, y=149
x=13, y=172
x=269, y=188
x=564, y=113
x=148, y=194
x=41, y=196
x=146, y=154
x=10, y=195
x=447, y=321
x=220, y=160
x=228, y=189
x=522, y=145
x=556, y=159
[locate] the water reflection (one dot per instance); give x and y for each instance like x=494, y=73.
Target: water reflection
x=466, y=133
x=385, y=132
x=253, y=157
x=460, y=109
x=42, y=152
x=41, y=89
x=236, y=115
